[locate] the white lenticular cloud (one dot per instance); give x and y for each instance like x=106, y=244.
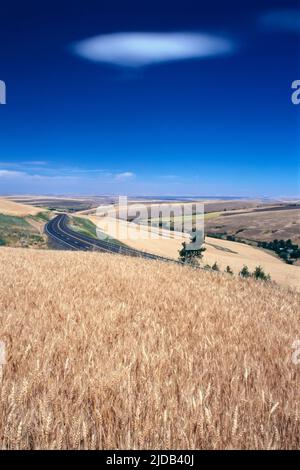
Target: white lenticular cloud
x=141, y=49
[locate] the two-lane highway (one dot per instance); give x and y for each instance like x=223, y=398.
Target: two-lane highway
x=58, y=230
x=55, y=231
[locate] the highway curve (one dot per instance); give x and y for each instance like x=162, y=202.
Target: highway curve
x=58, y=230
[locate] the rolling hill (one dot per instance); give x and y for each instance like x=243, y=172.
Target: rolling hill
x=224, y=252
x=111, y=352
x=8, y=207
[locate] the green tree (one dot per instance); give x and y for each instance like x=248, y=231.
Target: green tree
x=191, y=253
x=228, y=270
x=259, y=273
x=245, y=272
x=215, y=267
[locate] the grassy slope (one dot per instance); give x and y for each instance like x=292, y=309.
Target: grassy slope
x=22, y=231
x=114, y=352
x=21, y=224
x=84, y=226
x=87, y=227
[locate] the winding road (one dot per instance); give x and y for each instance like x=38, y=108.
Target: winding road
x=58, y=230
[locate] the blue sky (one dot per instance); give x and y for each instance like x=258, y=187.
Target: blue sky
x=150, y=98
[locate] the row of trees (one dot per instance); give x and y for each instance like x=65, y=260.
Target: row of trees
x=285, y=249
x=258, y=272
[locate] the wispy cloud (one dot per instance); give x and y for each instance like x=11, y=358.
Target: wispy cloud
x=26, y=165
x=281, y=20
x=134, y=49
x=63, y=180
x=124, y=176
x=10, y=173
x=44, y=167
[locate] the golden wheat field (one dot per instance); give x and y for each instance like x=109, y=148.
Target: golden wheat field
x=8, y=207
x=110, y=352
x=224, y=252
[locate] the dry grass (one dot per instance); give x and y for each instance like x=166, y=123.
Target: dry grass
x=120, y=353
x=139, y=236
x=267, y=225
x=223, y=252
x=237, y=254
x=8, y=207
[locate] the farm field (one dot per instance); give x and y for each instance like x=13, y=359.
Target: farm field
x=23, y=224
x=210, y=205
x=236, y=255
x=251, y=220
x=8, y=207
x=137, y=236
x=62, y=203
x=109, y=352
x=224, y=252
x=263, y=226
x=178, y=218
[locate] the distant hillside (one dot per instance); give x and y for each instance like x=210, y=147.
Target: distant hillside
x=111, y=352
x=8, y=207
x=224, y=252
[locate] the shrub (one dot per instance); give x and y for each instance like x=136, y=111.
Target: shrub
x=245, y=272
x=215, y=267
x=228, y=270
x=259, y=273
x=192, y=253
